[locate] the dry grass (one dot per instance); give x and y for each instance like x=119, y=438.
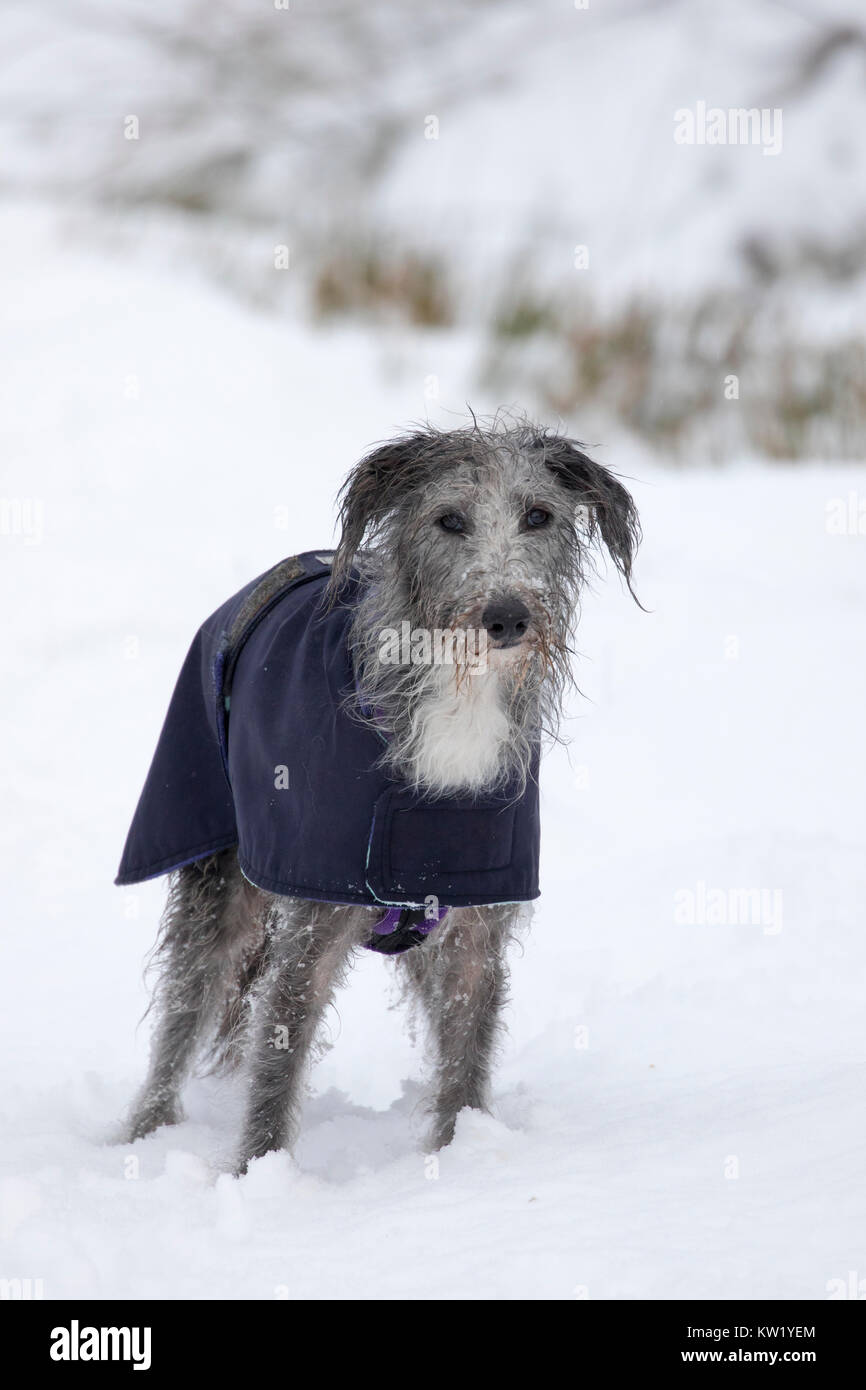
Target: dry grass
x=725, y=374
x=378, y=284
x=720, y=375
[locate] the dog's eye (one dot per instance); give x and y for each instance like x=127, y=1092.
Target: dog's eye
x=537, y=516
x=452, y=521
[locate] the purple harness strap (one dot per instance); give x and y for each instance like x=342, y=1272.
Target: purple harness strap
x=404, y=927
x=391, y=921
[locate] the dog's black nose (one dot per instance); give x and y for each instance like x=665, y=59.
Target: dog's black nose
x=506, y=620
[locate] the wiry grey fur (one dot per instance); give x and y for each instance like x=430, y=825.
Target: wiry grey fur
x=247, y=977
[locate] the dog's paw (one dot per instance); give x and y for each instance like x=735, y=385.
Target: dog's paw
x=149, y=1118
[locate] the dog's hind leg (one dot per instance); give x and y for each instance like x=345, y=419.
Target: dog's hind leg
x=309, y=948
x=210, y=928
x=461, y=980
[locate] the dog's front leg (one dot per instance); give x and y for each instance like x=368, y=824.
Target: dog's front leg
x=309, y=948
x=461, y=980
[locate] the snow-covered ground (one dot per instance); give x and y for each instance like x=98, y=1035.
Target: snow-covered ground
x=679, y=1103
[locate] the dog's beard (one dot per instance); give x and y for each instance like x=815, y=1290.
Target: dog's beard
x=462, y=725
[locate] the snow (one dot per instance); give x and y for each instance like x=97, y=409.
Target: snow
x=677, y=1109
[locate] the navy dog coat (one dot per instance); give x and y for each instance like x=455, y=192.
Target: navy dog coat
x=261, y=749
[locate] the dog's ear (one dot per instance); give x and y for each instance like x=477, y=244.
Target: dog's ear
x=369, y=494
x=610, y=508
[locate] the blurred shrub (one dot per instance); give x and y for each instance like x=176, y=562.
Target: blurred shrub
x=379, y=283
x=720, y=375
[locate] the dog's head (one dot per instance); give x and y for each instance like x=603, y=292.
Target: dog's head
x=486, y=528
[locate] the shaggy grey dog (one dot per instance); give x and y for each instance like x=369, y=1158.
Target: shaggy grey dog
x=489, y=528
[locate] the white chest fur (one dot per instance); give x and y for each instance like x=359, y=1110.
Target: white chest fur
x=459, y=731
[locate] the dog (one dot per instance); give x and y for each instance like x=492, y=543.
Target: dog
x=325, y=782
